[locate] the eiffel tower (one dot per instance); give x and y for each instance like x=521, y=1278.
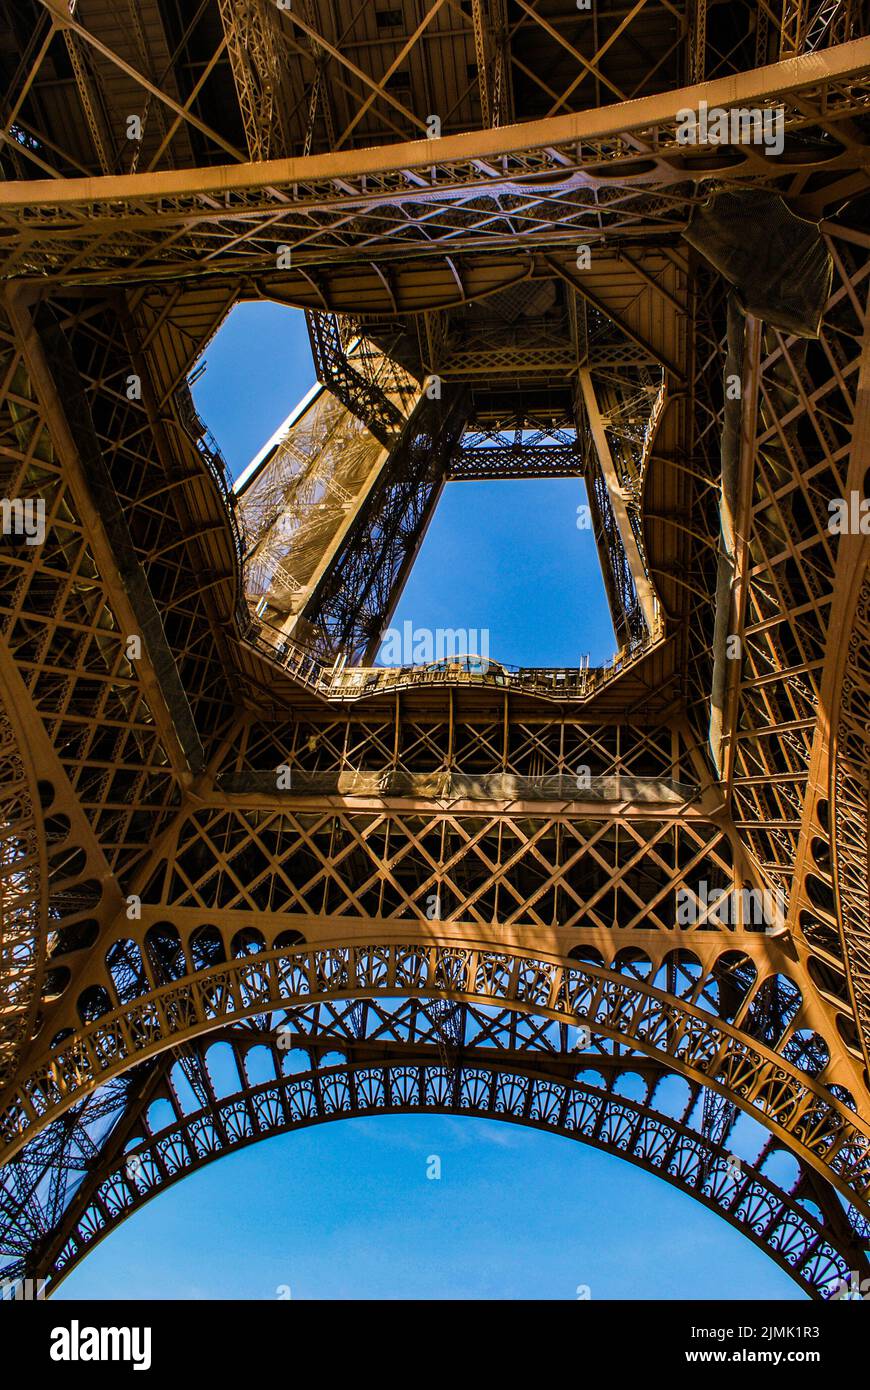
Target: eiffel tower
x=533, y=238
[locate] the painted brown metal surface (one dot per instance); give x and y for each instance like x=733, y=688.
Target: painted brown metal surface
x=461, y=868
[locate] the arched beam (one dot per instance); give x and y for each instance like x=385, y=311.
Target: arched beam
x=196, y=222
x=154, y=1160
x=812, y=1123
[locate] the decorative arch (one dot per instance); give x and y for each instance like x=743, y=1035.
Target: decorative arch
x=589, y=1109
x=532, y=987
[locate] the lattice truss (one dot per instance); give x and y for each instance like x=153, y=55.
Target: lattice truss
x=300, y=499
x=804, y=457
x=399, y=209
x=460, y=877
x=519, y=343
x=523, y=448
x=196, y=1105
x=799, y=601
x=189, y=1108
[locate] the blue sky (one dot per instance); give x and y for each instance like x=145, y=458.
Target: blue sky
x=345, y=1210
x=507, y=557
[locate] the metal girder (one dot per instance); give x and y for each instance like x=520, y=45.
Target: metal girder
x=744, y=342
x=636, y=564
x=517, y=461
x=698, y=42
x=64, y=20
x=23, y=880
x=775, y=1092
x=187, y=222
x=530, y=1086
x=359, y=390
x=52, y=368
x=89, y=94
x=838, y=770
x=253, y=44
x=489, y=18
x=550, y=814
x=361, y=581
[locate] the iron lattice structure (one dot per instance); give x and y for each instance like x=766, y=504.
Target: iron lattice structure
x=545, y=287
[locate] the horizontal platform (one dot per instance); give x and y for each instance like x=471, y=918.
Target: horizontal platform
x=548, y=461
x=450, y=786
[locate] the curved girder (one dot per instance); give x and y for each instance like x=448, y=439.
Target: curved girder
x=849, y=797
x=187, y=222
x=813, y=1123
x=151, y=1158
x=23, y=889
x=800, y=689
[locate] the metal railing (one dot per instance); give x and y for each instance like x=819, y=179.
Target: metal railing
x=336, y=681
x=216, y=466
x=209, y=451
